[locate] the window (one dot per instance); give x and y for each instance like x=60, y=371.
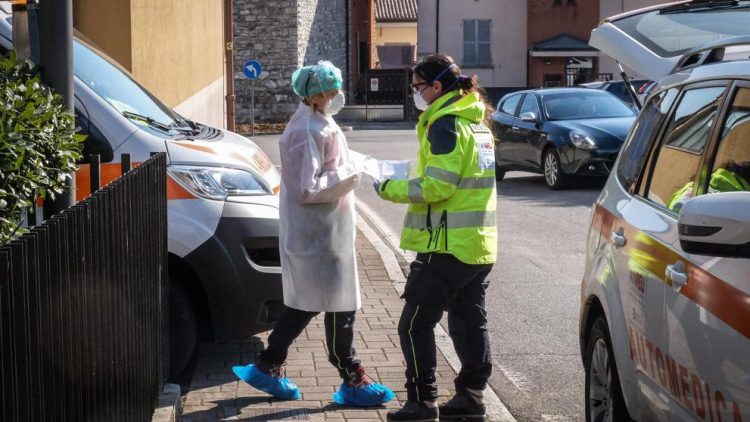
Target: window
x=679, y=155
x=584, y=105
x=477, y=42
x=95, y=142
x=642, y=136
x=730, y=170
x=510, y=104
x=530, y=105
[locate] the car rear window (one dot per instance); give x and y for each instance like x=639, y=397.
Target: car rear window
x=674, y=33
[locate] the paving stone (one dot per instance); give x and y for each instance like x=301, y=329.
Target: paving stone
x=215, y=393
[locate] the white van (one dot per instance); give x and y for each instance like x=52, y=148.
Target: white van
x=224, y=265
x=665, y=315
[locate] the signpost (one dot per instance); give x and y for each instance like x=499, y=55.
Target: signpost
x=252, y=70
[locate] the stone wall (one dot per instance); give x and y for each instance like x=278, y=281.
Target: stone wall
x=283, y=35
x=265, y=31
x=322, y=32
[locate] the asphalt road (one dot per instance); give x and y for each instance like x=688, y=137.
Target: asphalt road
x=533, y=300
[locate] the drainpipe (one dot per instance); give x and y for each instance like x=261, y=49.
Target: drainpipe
x=437, y=26
x=348, y=47
x=229, y=60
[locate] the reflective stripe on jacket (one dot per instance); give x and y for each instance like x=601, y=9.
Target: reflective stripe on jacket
x=452, y=199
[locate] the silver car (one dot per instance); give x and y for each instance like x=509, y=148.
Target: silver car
x=665, y=316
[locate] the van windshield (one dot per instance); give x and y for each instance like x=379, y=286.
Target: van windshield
x=116, y=87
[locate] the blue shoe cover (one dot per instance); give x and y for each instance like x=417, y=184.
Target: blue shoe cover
x=281, y=388
x=367, y=395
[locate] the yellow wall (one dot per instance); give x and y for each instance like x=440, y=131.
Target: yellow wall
x=172, y=47
x=107, y=24
x=385, y=34
x=177, y=46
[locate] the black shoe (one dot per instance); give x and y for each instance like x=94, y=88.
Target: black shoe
x=462, y=407
x=414, y=411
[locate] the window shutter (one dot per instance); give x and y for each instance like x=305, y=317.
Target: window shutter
x=483, y=42
x=470, y=47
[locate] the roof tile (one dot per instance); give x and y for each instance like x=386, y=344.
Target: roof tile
x=395, y=10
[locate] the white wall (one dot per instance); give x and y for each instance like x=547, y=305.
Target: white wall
x=509, y=49
x=207, y=106
x=614, y=7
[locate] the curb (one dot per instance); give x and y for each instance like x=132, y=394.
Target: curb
x=169, y=406
x=388, y=251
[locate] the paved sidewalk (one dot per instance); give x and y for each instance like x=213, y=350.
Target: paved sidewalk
x=215, y=394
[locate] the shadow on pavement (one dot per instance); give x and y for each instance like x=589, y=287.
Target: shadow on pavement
x=581, y=191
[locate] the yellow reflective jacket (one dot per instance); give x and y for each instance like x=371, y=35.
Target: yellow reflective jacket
x=452, y=199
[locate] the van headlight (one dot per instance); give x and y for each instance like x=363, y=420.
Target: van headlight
x=582, y=140
x=218, y=182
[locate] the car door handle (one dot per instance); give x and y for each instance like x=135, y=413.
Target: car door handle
x=677, y=275
x=618, y=239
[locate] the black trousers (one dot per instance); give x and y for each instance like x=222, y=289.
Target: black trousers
x=339, y=339
x=439, y=282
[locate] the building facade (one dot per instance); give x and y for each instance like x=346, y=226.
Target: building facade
x=395, y=33
x=528, y=43
x=172, y=47
x=557, y=42
x=487, y=38
x=286, y=34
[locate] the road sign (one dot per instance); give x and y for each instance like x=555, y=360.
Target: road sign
x=374, y=84
x=252, y=69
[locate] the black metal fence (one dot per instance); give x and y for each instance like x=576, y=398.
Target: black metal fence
x=83, y=334
x=381, y=95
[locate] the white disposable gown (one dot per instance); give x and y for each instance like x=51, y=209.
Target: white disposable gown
x=317, y=227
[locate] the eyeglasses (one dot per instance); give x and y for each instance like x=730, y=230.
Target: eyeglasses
x=415, y=87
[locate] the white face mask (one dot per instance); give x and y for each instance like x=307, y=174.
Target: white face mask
x=419, y=102
x=335, y=104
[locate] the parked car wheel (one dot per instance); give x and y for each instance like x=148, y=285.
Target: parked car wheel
x=604, y=400
x=553, y=173
x=183, y=330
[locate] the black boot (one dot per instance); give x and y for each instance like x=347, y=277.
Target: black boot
x=415, y=411
x=464, y=406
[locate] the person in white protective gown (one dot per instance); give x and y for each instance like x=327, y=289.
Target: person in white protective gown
x=316, y=243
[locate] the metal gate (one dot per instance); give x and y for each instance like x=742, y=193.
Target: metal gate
x=381, y=95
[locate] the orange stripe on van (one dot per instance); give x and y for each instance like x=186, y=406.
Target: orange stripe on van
x=176, y=191
x=107, y=173
x=718, y=297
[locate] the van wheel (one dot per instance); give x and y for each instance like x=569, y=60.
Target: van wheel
x=183, y=330
x=553, y=173
x=604, y=400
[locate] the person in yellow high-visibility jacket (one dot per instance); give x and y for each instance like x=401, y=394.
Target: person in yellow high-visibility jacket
x=451, y=225
x=729, y=177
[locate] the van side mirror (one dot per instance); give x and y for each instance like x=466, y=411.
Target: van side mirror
x=716, y=225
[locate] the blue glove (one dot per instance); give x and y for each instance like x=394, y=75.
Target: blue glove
x=376, y=186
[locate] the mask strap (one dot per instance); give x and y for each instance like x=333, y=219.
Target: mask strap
x=440, y=75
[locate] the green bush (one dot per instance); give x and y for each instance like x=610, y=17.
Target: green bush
x=38, y=144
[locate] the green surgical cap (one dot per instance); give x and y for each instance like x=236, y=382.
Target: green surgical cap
x=311, y=80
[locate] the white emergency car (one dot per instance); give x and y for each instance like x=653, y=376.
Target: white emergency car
x=665, y=316
x=224, y=270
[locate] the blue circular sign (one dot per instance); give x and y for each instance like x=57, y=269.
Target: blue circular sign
x=252, y=69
